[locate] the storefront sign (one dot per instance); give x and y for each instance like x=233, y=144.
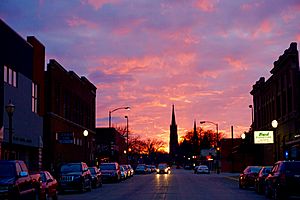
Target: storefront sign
x=65, y=137
x=263, y=137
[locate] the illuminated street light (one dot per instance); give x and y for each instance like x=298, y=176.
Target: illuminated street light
x=218, y=152
x=85, y=134
x=274, y=124
x=111, y=111
x=127, y=144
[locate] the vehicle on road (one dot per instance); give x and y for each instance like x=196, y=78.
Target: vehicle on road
x=248, y=176
x=259, y=182
x=75, y=176
x=15, y=181
x=284, y=180
x=96, y=177
x=163, y=168
x=49, y=186
x=202, y=169
x=141, y=169
x=130, y=170
x=110, y=171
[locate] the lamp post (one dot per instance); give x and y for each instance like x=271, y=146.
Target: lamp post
x=111, y=111
x=274, y=124
x=10, y=108
x=217, y=128
x=218, y=148
x=127, y=145
x=251, y=107
x=85, y=134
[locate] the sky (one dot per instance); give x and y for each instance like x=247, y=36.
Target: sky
x=203, y=56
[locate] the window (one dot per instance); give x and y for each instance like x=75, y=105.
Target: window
x=5, y=74
x=34, y=98
x=10, y=76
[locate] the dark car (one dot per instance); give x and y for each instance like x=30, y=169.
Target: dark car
x=110, y=171
x=141, y=169
x=15, y=181
x=96, y=177
x=48, y=186
x=284, y=180
x=248, y=176
x=259, y=183
x=75, y=176
x=163, y=168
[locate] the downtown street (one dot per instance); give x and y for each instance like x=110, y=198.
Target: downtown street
x=180, y=184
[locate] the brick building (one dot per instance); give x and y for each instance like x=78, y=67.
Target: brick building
x=110, y=145
x=70, y=109
x=278, y=98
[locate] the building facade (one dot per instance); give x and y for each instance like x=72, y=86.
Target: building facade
x=21, y=67
x=278, y=98
x=70, y=110
x=110, y=146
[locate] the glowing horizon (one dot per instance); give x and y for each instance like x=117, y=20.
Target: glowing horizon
x=203, y=56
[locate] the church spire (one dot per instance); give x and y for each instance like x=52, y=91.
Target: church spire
x=173, y=116
x=173, y=147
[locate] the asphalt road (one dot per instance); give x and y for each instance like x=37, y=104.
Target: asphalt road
x=180, y=184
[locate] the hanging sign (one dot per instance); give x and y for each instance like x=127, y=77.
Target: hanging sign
x=263, y=137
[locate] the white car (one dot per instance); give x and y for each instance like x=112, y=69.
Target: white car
x=202, y=169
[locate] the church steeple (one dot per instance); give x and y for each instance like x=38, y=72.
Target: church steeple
x=173, y=116
x=173, y=136
x=195, y=136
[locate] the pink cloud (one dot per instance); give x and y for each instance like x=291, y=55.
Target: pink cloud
x=76, y=21
x=97, y=4
x=265, y=27
x=236, y=64
x=206, y=5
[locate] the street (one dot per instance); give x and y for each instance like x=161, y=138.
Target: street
x=180, y=184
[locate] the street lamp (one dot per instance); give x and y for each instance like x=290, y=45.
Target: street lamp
x=127, y=145
x=218, y=148
x=251, y=107
x=85, y=134
x=10, y=108
x=274, y=124
x=111, y=111
x=217, y=128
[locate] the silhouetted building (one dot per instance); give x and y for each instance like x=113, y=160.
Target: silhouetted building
x=278, y=99
x=22, y=72
x=195, y=141
x=173, y=147
x=110, y=145
x=70, y=110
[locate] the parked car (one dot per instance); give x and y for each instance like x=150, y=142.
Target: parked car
x=259, y=183
x=15, y=181
x=49, y=186
x=202, y=169
x=248, y=176
x=163, y=168
x=110, y=171
x=131, y=170
x=153, y=168
x=284, y=180
x=75, y=176
x=124, y=172
x=96, y=177
x=141, y=169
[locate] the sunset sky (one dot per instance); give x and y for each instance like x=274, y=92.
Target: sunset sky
x=203, y=56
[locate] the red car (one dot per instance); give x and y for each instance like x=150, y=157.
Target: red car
x=48, y=188
x=248, y=176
